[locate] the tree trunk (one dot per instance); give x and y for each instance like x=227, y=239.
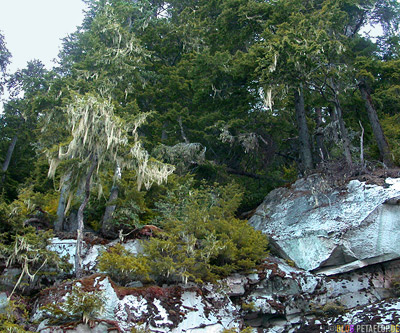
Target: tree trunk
x=106, y=227
x=164, y=133
x=362, y=147
x=334, y=120
x=319, y=136
x=59, y=223
x=7, y=161
x=383, y=146
x=79, y=236
x=342, y=127
x=305, y=145
x=343, y=134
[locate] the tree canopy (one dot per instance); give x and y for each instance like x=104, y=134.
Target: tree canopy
x=257, y=92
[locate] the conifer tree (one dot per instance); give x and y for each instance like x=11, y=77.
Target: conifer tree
x=5, y=57
x=110, y=58
x=98, y=139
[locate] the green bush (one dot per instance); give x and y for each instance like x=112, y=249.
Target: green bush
x=13, y=318
x=79, y=306
x=202, y=239
x=122, y=266
x=29, y=204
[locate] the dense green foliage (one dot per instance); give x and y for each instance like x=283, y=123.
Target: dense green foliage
x=201, y=240
x=14, y=318
x=124, y=267
x=218, y=78
x=78, y=306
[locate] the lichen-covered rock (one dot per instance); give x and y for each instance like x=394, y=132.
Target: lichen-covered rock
x=276, y=298
x=284, y=295
x=163, y=309
x=344, y=251
x=3, y=302
x=381, y=316
x=325, y=229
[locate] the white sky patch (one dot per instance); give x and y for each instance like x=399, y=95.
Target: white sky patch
x=33, y=29
x=372, y=31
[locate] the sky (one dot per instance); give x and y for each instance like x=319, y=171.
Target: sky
x=33, y=29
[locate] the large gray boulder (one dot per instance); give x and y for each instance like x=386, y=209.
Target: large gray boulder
x=326, y=229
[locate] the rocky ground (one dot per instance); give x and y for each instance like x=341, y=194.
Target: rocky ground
x=335, y=261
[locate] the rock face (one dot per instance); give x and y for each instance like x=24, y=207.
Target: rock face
x=276, y=298
x=281, y=297
x=163, y=309
x=324, y=229
x=377, y=317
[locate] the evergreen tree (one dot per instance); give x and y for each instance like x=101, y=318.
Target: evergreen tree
x=97, y=134
x=5, y=57
x=18, y=123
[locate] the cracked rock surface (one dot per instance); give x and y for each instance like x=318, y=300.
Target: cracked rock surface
x=326, y=229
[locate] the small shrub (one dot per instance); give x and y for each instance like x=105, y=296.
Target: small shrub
x=30, y=203
x=290, y=173
x=122, y=266
x=79, y=306
x=249, y=307
x=330, y=309
x=176, y=259
x=202, y=239
x=13, y=318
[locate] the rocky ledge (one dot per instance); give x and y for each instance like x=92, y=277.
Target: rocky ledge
x=276, y=298
x=326, y=229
